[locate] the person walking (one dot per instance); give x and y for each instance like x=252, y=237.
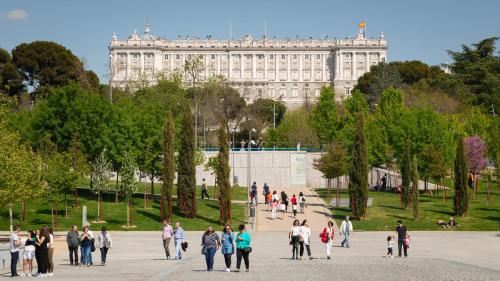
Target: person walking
x=302, y=202
x=346, y=230
x=51, y=245
x=327, y=238
x=390, y=244
x=15, y=242
x=305, y=234
x=294, y=205
x=227, y=248
x=204, y=191
x=85, y=246
x=294, y=237
x=403, y=238
x=73, y=241
x=253, y=193
x=104, y=242
x=265, y=192
x=284, y=200
x=178, y=239
x=210, y=242
x=92, y=244
x=29, y=254
x=42, y=241
x=166, y=236
x=274, y=209
x=243, y=248
x=275, y=196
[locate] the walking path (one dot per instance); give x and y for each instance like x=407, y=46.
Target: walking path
x=316, y=212
x=434, y=256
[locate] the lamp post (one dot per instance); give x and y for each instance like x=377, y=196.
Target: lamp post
x=249, y=163
x=232, y=152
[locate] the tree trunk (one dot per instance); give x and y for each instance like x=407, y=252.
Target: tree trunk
x=476, y=183
x=52, y=214
x=23, y=211
x=152, y=186
x=128, y=213
x=55, y=217
x=65, y=205
x=76, y=197
x=145, y=194
x=117, y=189
x=99, y=207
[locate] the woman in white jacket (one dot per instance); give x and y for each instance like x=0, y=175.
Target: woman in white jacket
x=104, y=243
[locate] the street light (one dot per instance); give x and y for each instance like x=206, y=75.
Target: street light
x=232, y=148
x=249, y=162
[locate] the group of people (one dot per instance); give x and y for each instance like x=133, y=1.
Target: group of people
x=177, y=235
x=280, y=202
x=38, y=245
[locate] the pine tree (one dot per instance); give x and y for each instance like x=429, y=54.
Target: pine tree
x=223, y=172
x=358, y=174
x=461, y=199
x=406, y=166
x=414, y=188
x=168, y=167
x=186, y=183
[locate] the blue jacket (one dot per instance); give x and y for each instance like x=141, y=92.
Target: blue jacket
x=227, y=243
x=179, y=233
x=245, y=242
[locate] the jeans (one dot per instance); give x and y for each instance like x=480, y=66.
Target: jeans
x=209, y=258
x=401, y=245
x=14, y=258
x=242, y=254
x=178, y=254
x=308, y=248
x=295, y=247
x=227, y=260
x=346, y=240
x=104, y=253
x=166, y=243
x=73, y=251
x=86, y=256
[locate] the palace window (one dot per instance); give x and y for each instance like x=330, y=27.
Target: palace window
x=248, y=57
x=213, y=57
x=166, y=57
x=283, y=57
x=294, y=57
x=177, y=57
x=136, y=55
x=318, y=57
x=271, y=57
x=306, y=57
x=260, y=57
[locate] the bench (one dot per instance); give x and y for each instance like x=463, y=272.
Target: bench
x=344, y=202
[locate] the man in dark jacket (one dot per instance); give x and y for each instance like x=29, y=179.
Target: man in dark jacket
x=402, y=232
x=73, y=241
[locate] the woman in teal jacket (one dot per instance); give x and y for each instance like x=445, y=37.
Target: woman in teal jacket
x=243, y=248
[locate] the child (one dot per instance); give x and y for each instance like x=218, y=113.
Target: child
x=274, y=207
x=390, y=243
x=283, y=209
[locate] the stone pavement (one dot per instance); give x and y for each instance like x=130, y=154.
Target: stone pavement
x=433, y=256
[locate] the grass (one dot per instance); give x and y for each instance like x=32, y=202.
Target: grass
x=386, y=210
x=239, y=193
x=39, y=214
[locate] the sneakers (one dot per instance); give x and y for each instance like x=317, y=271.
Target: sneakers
x=247, y=270
x=51, y=274
x=328, y=257
x=228, y=270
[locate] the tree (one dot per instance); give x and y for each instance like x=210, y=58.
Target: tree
x=101, y=173
x=168, y=167
x=295, y=129
x=193, y=67
x=262, y=110
x=324, y=116
x=432, y=165
x=406, y=175
x=475, y=148
x=79, y=163
x=11, y=82
x=128, y=185
x=358, y=172
x=414, y=187
x=223, y=172
x=461, y=199
x=186, y=181
x=380, y=77
x=45, y=64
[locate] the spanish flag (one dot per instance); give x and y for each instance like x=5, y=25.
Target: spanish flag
x=362, y=24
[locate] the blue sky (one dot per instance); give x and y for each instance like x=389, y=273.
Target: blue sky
x=421, y=29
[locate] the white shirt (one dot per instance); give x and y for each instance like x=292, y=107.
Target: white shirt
x=13, y=247
x=346, y=227
x=390, y=243
x=305, y=231
x=295, y=230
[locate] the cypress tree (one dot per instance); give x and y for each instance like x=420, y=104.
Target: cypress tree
x=186, y=182
x=406, y=166
x=461, y=200
x=168, y=167
x=222, y=172
x=358, y=174
x=414, y=187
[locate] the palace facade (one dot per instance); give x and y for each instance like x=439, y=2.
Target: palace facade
x=291, y=70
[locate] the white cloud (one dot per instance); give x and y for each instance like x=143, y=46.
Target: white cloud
x=17, y=14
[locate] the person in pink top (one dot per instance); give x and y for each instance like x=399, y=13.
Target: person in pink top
x=167, y=234
x=274, y=208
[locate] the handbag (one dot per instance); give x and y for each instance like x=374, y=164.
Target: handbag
x=92, y=245
x=247, y=249
x=203, y=250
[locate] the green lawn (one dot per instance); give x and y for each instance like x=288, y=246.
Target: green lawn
x=239, y=193
x=38, y=214
x=386, y=210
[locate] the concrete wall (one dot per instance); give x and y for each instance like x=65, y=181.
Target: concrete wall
x=276, y=168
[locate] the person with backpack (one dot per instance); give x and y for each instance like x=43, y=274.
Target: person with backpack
x=104, y=243
x=346, y=230
x=327, y=238
x=294, y=238
x=227, y=248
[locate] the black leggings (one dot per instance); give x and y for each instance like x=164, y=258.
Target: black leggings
x=227, y=260
x=308, y=248
x=239, y=254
